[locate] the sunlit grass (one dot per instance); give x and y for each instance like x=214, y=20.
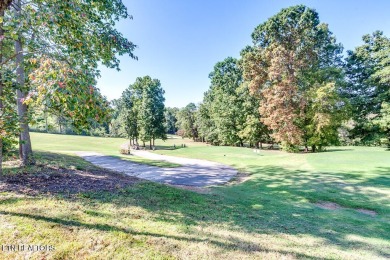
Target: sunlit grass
x=272, y=215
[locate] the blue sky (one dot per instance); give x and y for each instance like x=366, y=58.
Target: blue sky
x=179, y=41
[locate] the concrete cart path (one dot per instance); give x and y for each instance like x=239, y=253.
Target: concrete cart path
x=193, y=172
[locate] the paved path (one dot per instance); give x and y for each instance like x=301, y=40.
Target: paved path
x=193, y=172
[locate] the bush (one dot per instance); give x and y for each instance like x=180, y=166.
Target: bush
x=9, y=146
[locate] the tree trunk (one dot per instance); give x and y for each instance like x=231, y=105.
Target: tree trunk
x=153, y=142
x=1, y=156
x=313, y=148
x=150, y=144
x=46, y=126
x=25, y=145
x=1, y=90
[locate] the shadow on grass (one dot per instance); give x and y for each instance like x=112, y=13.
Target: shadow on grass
x=233, y=243
x=328, y=150
x=275, y=201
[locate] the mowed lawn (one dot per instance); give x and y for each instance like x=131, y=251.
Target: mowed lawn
x=331, y=205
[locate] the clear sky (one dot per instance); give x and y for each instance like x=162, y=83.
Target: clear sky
x=179, y=41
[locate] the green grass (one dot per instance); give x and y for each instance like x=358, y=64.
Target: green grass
x=68, y=144
x=270, y=216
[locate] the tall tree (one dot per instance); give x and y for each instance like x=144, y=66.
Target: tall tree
x=227, y=106
x=151, y=114
x=292, y=51
x=132, y=101
x=25, y=149
x=79, y=33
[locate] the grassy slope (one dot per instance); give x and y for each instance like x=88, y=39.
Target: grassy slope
x=269, y=216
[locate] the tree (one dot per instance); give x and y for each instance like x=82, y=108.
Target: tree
x=229, y=114
x=186, y=121
x=206, y=126
x=367, y=71
x=293, y=52
x=81, y=34
x=226, y=108
x=253, y=130
x=131, y=103
x=67, y=92
x=326, y=112
x=170, y=115
x=151, y=114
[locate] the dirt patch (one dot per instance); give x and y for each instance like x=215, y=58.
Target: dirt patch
x=367, y=212
x=64, y=181
x=334, y=206
x=239, y=178
x=328, y=205
x=200, y=190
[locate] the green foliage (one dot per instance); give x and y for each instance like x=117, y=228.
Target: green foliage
x=327, y=113
x=69, y=92
x=129, y=107
x=186, y=121
x=140, y=110
x=151, y=116
x=383, y=121
x=58, y=46
x=228, y=114
x=170, y=115
x=367, y=72
x=9, y=126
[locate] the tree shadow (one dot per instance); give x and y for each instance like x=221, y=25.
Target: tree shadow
x=233, y=243
x=329, y=150
x=279, y=200
x=275, y=200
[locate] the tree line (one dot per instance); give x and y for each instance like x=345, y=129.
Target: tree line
x=293, y=86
